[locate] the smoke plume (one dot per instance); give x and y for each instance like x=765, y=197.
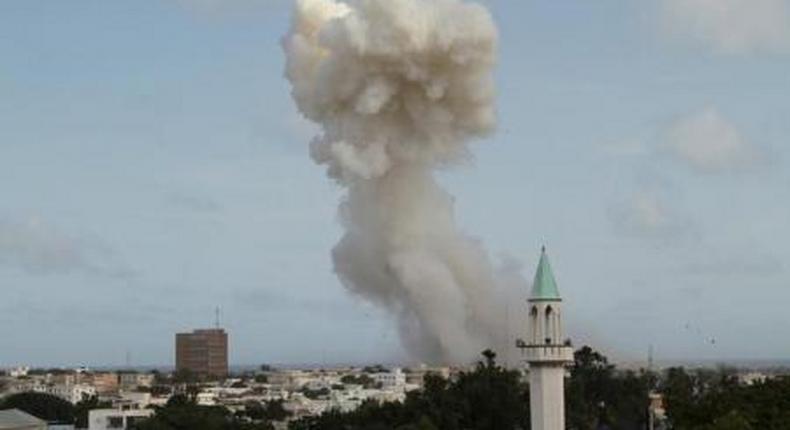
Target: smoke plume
x=400, y=88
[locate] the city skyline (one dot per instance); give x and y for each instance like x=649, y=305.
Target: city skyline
x=153, y=167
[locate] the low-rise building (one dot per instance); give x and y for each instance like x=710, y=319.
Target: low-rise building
x=393, y=378
x=73, y=393
x=18, y=371
x=14, y=419
x=132, y=381
x=105, y=382
x=116, y=419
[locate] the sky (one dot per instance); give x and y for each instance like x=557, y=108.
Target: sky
x=153, y=167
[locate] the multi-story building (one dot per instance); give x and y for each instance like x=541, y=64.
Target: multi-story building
x=105, y=382
x=203, y=352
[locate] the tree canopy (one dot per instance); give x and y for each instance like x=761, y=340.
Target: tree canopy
x=47, y=407
x=182, y=413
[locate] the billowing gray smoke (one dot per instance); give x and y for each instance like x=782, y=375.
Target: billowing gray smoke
x=400, y=88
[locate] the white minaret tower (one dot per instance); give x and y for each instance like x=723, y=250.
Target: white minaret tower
x=546, y=351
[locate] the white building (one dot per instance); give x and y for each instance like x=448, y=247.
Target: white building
x=546, y=351
x=73, y=393
x=394, y=378
x=116, y=419
x=18, y=371
x=131, y=400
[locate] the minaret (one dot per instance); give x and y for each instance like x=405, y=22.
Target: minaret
x=546, y=351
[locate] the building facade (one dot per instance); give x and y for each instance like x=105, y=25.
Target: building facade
x=547, y=352
x=116, y=419
x=203, y=352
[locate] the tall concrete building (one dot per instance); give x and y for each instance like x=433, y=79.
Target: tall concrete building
x=546, y=350
x=203, y=352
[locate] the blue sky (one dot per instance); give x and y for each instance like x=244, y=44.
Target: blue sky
x=153, y=166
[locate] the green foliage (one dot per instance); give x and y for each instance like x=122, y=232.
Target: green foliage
x=732, y=421
x=185, y=376
x=181, y=413
x=597, y=394
x=363, y=379
x=44, y=406
x=269, y=411
x=320, y=393
x=715, y=400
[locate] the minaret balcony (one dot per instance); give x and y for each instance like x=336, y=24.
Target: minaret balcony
x=549, y=353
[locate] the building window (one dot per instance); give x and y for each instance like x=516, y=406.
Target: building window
x=115, y=422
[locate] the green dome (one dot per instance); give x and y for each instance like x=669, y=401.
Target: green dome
x=544, y=287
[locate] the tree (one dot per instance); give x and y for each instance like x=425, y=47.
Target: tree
x=44, y=406
x=180, y=413
x=273, y=410
x=598, y=395
x=185, y=376
x=362, y=379
x=732, y=421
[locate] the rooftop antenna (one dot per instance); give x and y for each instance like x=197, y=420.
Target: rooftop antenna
x=216, y=317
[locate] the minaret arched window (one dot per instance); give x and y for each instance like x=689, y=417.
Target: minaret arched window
x=549, y=325
x=534, y=323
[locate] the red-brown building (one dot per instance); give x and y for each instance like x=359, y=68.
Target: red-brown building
x=203, y=352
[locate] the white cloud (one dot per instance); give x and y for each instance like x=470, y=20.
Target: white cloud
x=731, y=26
x=709, y=143
x=647, y=214
x=39, y=248
x=642, y=212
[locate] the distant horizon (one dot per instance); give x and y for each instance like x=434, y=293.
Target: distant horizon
x=746, y=363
